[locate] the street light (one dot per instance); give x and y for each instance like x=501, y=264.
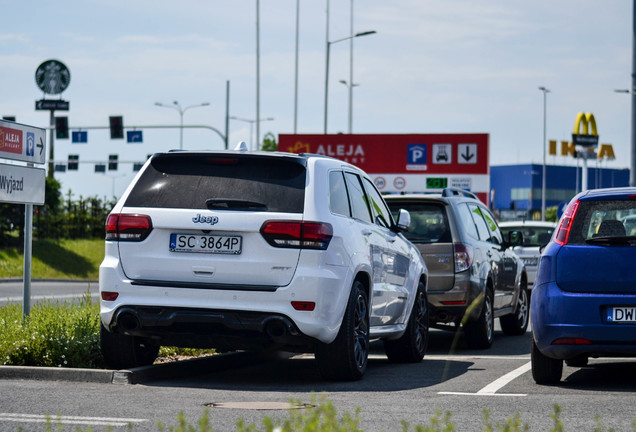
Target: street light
x=251, y=122
x=632, y=92
x=329, y=43
x=545, y=92
x=175, y=105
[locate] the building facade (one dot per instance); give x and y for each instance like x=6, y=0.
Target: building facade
x=515, y=190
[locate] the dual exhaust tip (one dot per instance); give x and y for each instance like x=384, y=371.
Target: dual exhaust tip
x=275, y=328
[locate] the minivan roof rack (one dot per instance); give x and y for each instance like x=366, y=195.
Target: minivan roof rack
x=458, y=192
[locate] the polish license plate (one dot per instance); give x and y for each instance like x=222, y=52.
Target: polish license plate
x=206, y=243
x=621, y=314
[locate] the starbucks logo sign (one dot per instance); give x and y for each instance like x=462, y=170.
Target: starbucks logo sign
x=52, y=77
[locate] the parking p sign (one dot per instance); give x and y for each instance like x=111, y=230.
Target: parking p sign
x=416, y=157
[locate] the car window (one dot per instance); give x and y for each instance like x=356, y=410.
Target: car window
x=357, y=198
x=381, y=214
x=467, y=221
x=480, y=223
x=429, y=223
x=338, y=199
x=198, y=181
x=495, y=234
x=603, y=218
x=533, y=236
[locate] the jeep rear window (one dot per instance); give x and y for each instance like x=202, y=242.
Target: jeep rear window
x=222, y=182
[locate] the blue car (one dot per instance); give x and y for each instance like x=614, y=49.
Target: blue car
x=584, y=298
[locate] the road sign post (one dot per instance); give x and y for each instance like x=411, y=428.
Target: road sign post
x=23, y=184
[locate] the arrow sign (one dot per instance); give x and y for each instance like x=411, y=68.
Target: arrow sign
x=467, y=154
x=18, y=142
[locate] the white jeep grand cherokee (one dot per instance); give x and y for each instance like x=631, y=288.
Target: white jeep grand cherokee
x=253, y=250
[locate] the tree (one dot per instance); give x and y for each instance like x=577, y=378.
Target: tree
x=269, y=142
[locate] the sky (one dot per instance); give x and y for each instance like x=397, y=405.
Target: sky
x=453, y=66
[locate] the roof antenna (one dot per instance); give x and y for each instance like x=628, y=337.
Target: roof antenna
x=241, y=146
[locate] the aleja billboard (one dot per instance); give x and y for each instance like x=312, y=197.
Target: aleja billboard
x=406, y=162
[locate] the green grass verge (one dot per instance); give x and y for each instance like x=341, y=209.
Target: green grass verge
x=56, y=259
x=62, y=334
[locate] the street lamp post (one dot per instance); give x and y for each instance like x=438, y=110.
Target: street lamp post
x=632, y=92
x=543, y=181
x=175, y=105
x=329, y=43
x=251, y=122
x=350, y=85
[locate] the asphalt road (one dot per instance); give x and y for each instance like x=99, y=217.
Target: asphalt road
x=452, y=379
x=13, y=290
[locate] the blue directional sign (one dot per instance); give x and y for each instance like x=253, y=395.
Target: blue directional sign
x=79, y=137
x=134, y=137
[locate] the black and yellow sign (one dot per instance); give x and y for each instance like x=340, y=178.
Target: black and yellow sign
x=588, y=138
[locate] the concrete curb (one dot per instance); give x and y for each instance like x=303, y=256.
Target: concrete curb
x=140, y=375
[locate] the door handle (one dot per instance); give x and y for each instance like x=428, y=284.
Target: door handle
x=366, y=232
x=391, y=240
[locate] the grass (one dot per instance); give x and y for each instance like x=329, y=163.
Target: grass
x=56, y=259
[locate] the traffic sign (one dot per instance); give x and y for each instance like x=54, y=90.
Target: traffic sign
x=54, y=105
x=21, y=184
x=22, y=142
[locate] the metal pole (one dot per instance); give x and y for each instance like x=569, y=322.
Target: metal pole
x=327, y=69
x=28, y=228
x=351, y=74
x=543, y=182
x=227, y=113
x=181, y=129
x=51, y=138
x=632, y=177
x=296, y=68
x=258, y=73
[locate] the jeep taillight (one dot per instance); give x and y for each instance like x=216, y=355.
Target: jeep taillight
x=127, y=227
x=563, y=232
x=463, y=257
x=297, y=234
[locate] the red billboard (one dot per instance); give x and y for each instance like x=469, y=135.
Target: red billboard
x=406, y=162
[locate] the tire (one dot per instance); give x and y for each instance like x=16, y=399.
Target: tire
x=480, y=333
x=123, y=352
x=545, y=370
x=411, y=346
x=345, y=359
x=516, y=323
x=579, y=361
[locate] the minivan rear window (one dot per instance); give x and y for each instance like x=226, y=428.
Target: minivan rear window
x=222, y=182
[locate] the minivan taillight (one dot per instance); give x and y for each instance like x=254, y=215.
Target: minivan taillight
x=563, y=232
x=463, y=257
x=127, y=227
x=297, y=234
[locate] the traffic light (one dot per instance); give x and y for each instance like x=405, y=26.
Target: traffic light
x=73, y=162
x=112, y=162
x=116, y=127
x=61, y=127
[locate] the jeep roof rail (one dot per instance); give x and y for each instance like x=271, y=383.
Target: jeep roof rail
x=451, y=191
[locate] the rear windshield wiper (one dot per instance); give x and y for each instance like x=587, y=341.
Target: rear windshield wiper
x=234, y=204
x=612, y=241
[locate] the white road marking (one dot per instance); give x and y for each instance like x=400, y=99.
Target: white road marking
x=492, y=388
x=56, y=419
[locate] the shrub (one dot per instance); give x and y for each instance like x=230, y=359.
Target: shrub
x=54, y=334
